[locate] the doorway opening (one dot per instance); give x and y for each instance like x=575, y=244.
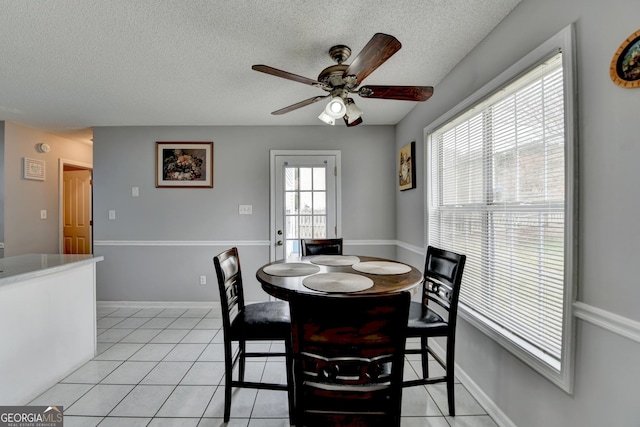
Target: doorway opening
x=76, y=207
x=305, y=199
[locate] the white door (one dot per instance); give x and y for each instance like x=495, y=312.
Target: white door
x=304, y=199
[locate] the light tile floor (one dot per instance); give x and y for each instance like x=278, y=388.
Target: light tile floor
x=164, y=367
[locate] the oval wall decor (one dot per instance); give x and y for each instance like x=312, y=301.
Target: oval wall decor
x=625, y=65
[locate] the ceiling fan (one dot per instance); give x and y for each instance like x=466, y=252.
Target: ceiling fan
x=342, y=80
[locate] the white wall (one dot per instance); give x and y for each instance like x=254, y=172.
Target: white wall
x=24, y=231
x=606, y=371
x=190, y=226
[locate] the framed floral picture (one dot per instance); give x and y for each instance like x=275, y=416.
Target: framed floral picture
x=625, y=65
x=184, y=164
x=406, y=167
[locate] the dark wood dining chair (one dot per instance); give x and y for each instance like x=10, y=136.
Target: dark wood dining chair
x=442, y=277
x=348, y=359
x=242, y=323
x=321, y=246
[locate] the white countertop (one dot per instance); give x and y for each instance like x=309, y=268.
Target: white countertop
x=24, y=267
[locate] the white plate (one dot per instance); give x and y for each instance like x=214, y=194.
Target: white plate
x=291, y=269
x=337, y=282
x=335, y=260
x=381, y=267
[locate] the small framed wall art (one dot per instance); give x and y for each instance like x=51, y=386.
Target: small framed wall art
x=406, y=167
x=625, y=65
x=184, y=164
x=34, y=169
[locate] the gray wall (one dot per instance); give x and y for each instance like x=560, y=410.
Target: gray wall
x=606, y=371
x=162, y=241
x=24, y=231
x=2, y=188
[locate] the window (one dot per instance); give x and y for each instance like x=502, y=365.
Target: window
x=500, y=191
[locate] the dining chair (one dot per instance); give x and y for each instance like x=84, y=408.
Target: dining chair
x=241, y=323
x=321, y=246
x=348, y=358
x=442, y=277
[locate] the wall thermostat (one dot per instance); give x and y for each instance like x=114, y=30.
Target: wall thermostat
x=43, y=148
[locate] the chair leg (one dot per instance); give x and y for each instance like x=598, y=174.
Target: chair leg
x=290, y=382
x=450, y=375
x=242, y=346
x=451, y=396
x=228, y=378
x=425, y=357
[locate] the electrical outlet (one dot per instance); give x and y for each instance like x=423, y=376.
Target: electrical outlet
x=135, y=191
x=245, y=209
x=203, y=280
x=43, y=214
x=112, y=214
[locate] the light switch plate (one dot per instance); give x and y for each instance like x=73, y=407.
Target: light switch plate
x=112, y=214
x=135, y=191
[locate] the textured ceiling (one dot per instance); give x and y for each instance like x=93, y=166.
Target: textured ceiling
x=68, y=65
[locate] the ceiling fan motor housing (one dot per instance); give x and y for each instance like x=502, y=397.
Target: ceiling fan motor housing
x=340, y=53
x=333, y=75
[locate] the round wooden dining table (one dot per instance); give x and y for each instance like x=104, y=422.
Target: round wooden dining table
x=337, y=275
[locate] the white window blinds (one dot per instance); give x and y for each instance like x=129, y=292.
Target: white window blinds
x=497, y=194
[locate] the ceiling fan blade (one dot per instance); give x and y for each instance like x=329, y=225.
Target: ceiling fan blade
x=380, y=48
x=287, y=75
x=352, y=124
x=402, y=93
x=298, y=105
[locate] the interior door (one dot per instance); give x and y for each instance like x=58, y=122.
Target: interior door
x=77, y=211
x=305, y=200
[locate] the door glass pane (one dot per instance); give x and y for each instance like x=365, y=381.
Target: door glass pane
x=319, y=227
x=291, y=203
x=292, y=248
x=319, y=203
x=306, y=227
x=305, y=199
x=291, y=230
x=306, y=204
x=319, y=179
x=290, y=179
x=306, y=183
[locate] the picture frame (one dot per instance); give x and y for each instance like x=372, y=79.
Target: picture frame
x=184, y=164
x=625, y=65
x=34, y=169
x=407, y=167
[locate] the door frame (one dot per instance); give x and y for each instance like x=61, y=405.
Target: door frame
x=272, y=189
x=61, y=164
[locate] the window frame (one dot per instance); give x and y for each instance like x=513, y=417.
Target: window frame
x=563, y=42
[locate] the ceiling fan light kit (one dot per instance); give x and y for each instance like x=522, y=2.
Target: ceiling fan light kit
x=341, y=79
x=353, y=113
x=336, y=108
x=327, y=118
